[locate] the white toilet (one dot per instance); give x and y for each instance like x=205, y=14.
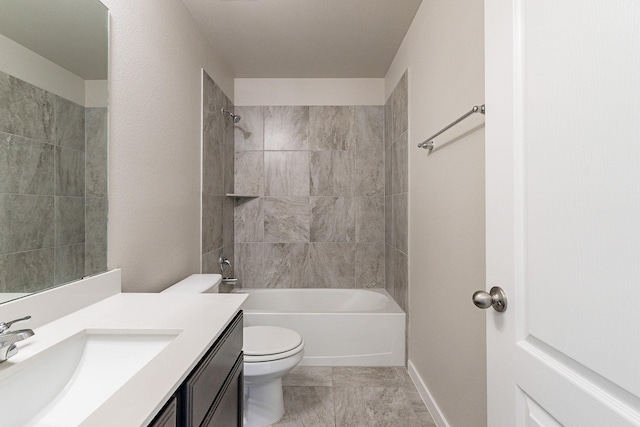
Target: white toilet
x=269, y=353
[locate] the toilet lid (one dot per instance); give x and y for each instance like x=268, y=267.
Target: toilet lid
x=266, y=340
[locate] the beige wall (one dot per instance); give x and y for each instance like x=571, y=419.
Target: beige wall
x=309, y=92
x=155, y=131
x=444, y=52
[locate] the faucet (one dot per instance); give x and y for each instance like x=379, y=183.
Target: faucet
x=8, y=339
x=224, y=263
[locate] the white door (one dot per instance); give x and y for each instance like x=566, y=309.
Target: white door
x=563, y=211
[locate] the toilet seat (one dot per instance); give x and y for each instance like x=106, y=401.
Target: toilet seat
x=268, y=343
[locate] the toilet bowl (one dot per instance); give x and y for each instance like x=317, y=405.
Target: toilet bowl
x=269, y=353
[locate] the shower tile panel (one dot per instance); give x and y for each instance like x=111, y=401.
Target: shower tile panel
x=389, y=224
x=285, y=265
x=286, y=128
x=332, y=173
x=332, y=128
x=69, y=220
x=50, y=145
x=400, y=222
x=212, y=223
x=286, y=173
x=26, y=165
x=323, y=185
x=401, y=280
x=396, y=186
x=69, y=172
x=369, y=125
x=249, y=220
x=96, y=149
x=332, y=265
x=95, y=258
x=369, y=173
x=69, y=124
x=286, y=219
x=228, y=154
x=400, y=165
x=24, y=271
x=96, y=220
x=249, y=172
x=249, y=266
x=400, y=107
x=213, y=168
x=228, y=223
x=370, y=224
x=333, y=219
x=69, y=263
x=389, y=270
x=26, y=222
x=26, y=110
x=370, y=265
x=249, y=132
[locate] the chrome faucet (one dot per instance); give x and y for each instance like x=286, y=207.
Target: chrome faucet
x=224, y=263
x=8, y=339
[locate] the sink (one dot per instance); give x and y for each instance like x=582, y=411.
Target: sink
x=65, y=383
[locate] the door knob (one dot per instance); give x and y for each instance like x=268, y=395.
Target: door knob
x=495, y=298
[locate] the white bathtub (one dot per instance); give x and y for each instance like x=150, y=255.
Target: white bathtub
x=340, y=327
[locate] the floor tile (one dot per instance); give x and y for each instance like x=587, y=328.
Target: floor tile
x=309, y=376
x=372, y=406
x=307, y=407
x=346, y=376
x=352, y=397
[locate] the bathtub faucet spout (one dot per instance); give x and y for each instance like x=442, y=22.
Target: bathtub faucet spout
x=225, y=264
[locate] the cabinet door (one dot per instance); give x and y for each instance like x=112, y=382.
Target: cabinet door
x=168, y=416
x=201, y=389
x=227, y=411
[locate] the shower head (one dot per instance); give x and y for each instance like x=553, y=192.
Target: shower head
x=234, y=117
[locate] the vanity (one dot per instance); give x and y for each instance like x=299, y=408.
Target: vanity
x=212, y=393
x=148, y=359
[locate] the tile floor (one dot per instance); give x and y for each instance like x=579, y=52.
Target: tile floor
x=352, y=397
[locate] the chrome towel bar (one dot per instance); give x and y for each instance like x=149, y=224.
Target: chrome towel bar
x=428, y=143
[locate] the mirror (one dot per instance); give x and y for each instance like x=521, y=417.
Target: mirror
x=53, y=143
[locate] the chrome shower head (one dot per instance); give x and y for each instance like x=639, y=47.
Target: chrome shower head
x=234, y=117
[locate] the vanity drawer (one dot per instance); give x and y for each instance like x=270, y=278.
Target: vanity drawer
x=208, y=378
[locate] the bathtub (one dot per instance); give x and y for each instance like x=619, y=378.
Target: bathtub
x=340, y=327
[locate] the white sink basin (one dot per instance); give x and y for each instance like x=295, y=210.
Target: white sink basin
x=64, y=384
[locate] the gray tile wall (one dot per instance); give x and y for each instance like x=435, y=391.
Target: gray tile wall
x=318, y=218
x=96, y=190
x=397, y=191
x=217, y=177
x=48, y=166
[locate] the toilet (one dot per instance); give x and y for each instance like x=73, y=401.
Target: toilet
x=269, y=354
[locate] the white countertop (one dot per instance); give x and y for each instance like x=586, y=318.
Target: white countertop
x=200, y=318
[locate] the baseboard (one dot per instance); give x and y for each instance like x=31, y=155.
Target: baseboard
x=431, y=404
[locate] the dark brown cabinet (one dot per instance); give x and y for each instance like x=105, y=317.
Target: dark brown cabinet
x=211, y=396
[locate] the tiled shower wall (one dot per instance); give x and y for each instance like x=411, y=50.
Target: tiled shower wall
x=396, y=195
x=43, y=176
x=314, y=215
x=217, y=177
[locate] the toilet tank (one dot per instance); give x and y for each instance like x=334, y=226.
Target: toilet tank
x=197, y=284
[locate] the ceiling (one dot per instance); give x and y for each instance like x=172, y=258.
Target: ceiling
x=305, y=38
x=71, y=33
